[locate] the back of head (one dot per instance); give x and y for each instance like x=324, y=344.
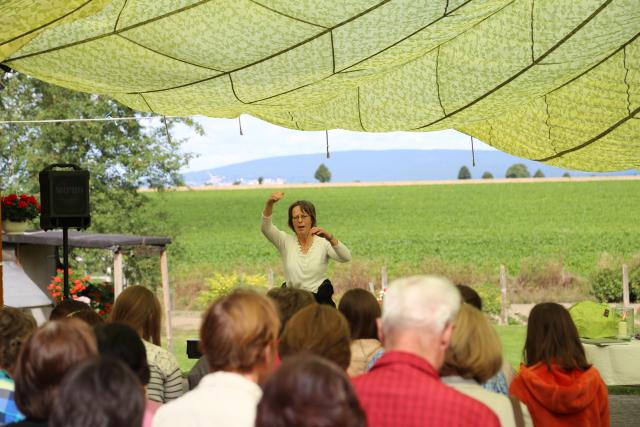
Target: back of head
x=321, y=330
x=139, y=308
x=470, y=296
x=552, y=337
x=47, y=355
x=308, y=390
x=237, y=329
x=90, y=317
x=429, y=303
x=289, y=301
x=15, y=327
x=474, y=350
x=361, y=309
x=119, y=341
x=101, y=392
x=66, y=307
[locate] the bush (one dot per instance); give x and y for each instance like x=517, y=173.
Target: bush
x=220, y=285
x=606, y=284
x=490, y=295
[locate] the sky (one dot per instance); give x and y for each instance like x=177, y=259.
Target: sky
x=223, y=145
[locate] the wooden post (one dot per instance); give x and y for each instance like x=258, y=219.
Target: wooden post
x=117, y=273
x=383, y=278
x=1, y=259
x=503, y=295
x=625, y=285
x=164, y=272
x=372, y=288
x=270, y=277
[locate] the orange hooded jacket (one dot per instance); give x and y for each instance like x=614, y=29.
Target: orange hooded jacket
x=556, y=397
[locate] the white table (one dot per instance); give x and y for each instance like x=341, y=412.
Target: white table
x=618, y=364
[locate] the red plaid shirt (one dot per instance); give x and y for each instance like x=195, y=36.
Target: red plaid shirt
x=403, y=390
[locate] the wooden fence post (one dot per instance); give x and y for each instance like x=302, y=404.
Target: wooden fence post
x=625, y=285
x=503, y=296
x=383, y=278
x=118, y=277
x=164, y=273
x=270, y=277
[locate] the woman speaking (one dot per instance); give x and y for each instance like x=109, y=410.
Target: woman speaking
x=305, y=256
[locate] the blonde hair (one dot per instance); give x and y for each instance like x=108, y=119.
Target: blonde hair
x=321, y=330
x=474, y=350
x=139, y=308
x=236, y=330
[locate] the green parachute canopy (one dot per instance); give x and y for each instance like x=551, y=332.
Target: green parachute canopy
x=550, y=80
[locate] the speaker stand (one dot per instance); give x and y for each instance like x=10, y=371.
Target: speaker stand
x=65, y=257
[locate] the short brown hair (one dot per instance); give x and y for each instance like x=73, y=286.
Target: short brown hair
x=139, y=308
x=236, y=329
x=15, y=327
x=306, y=207
x=361, y=309
x=46, y=356
x=474, y=350
x=289, y=301
x=552, y=338
x=318, y=329
x=309, y=391
x=66, y=307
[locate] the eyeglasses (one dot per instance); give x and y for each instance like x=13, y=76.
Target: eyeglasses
x=299, y=217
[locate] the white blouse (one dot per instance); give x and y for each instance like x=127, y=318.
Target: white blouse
x=304, y=271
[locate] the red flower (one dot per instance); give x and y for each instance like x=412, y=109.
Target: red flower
x=22, y=204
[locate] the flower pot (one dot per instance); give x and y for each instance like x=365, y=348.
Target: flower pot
x=14, y=227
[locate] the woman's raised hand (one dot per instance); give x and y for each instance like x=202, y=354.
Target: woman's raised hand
x=321, y=232
x=275, y=197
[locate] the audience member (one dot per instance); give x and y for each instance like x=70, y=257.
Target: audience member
x=403, y=388
x=318, y=329
x=474, y=355
x=88, y=316
x=100, y=392
x=119, y=341
x=556, y=382
x=67, y=307
x=362, y=311
x=139, y=308
x=15, y=327
x=46, y=357
x=309, y=391
x=288, y=301
x=499, y=383
x=238, y=337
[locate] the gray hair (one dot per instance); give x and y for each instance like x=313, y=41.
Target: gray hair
x=425, y=302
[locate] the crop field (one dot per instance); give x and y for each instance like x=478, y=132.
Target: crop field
x=470, y=226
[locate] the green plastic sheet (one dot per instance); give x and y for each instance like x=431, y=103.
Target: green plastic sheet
x=550, y=80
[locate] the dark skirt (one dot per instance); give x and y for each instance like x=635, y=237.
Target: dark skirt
x=323, y=294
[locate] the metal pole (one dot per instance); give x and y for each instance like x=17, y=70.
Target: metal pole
x=65, y=256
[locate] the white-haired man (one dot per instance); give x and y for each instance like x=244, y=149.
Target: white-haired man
x=403, y=389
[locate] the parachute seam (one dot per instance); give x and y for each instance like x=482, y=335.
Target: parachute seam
x=286, y=15
x=115, y=26
x=525, y=69
x=626, y=73
x=45, y=25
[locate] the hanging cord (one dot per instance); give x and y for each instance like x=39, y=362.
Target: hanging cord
x=240, y=125
x=326, y=133
x=473, y=154
x=101, y=119
x=166, y=129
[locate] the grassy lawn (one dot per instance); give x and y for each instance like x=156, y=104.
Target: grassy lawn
x=512, y=337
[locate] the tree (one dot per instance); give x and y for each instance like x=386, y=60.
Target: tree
x=260, y=180
x=566, y=175
x=121, y=156
x=464, y=173
x=518, y=170
x=323, y=174
x=487, y=175
x=538, y=174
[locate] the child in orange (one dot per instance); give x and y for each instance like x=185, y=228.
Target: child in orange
x=556, y=383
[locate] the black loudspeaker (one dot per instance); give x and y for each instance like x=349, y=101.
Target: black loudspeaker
x=64, y=197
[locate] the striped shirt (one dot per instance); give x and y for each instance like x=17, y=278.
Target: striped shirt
x=9, y=413
x=165, y=382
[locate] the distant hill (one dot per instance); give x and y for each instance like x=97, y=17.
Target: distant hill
x=376, y=166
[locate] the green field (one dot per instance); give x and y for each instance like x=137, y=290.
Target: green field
x=406, y=228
